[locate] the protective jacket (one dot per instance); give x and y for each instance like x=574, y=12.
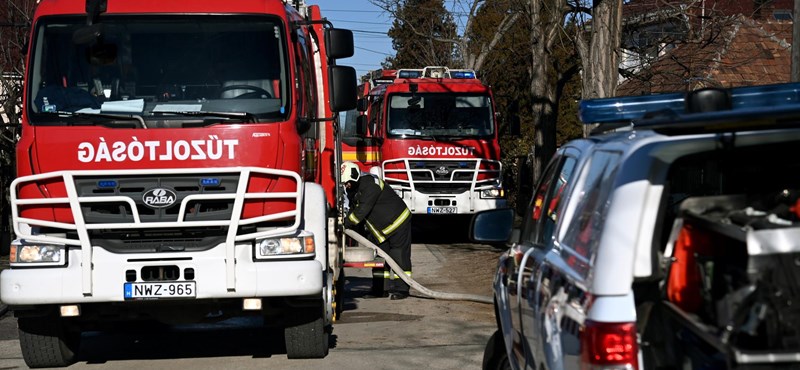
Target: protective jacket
x=378, y=205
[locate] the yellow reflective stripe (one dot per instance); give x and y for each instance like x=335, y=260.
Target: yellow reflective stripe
x=391, y=275
x=397, y=222
x=380, y=182
x=370, y=156
x=353, y=218
x=378, y=234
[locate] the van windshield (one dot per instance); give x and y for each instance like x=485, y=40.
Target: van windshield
x=163, y=68
x=440, y=115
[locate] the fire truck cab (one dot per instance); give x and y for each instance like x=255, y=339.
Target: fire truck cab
x=434, y=136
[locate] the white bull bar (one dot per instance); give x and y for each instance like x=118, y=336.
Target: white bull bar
x=475, y=185
x=82, y=227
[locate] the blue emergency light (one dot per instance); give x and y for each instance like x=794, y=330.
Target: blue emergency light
x=409, y=73
x=209, y=182
x=744, y=101
x=106, y=184
x=462, y=74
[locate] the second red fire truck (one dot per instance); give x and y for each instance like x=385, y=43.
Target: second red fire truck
x=432, y=134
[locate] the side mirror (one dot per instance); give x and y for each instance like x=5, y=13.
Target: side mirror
x=343, y=89
x=492, y=226
x=339, y=42
x=362, y=105
x=361, y=126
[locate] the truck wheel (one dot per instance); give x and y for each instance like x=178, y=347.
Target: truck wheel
x=306, y=335
x=46, y=342
x=378, y=282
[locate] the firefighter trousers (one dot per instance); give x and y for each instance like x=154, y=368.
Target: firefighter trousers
x=398, y=246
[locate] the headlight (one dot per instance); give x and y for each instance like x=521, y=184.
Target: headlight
x=24, y=253
x=285, y=247
x=493, y=193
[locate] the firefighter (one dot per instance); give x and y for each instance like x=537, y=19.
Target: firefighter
x=386, y=217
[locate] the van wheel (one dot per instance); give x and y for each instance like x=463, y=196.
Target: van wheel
x=47, y=342
x=495, y=356
x=306, y=335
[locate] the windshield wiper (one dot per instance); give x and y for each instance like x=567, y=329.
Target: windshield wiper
x=126, y=117
x=246, y=116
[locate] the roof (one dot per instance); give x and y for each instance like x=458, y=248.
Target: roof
x=742, y=52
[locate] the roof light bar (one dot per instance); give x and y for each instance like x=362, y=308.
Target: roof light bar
x=437, y=72
x=749, y=100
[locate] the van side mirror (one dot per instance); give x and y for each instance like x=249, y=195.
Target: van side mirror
x=339, y=42
x=361, y=126
x=492, y=226
x=343, y=89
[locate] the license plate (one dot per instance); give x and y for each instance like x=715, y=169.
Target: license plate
x=442, y=209
x=184, y=289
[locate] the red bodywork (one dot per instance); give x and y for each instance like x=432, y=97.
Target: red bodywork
x=393, y=148
x=274, y=145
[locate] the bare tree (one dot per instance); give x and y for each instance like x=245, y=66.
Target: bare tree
x=15, y=20
x=600, y=58
x=471, y=56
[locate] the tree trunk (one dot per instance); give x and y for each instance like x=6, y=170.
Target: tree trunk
x=546, y=18
x=600, y=66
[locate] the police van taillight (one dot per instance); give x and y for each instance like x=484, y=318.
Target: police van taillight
x=609, y=346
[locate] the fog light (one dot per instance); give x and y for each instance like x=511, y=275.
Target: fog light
x=251, y=304
x=72, y=310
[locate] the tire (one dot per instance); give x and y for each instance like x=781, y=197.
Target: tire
x=306, y=335
x=378, y=283
x=46, y=342
x=495, y=356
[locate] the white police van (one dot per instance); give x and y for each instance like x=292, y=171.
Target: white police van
x=669, y=240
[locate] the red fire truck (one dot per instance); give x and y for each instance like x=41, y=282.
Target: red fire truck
x=434, y=137
x=177, y=163
x=356, y=148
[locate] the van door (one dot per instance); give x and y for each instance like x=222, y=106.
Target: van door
x=544, y=217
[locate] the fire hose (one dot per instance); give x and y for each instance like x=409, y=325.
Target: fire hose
x=425, y=291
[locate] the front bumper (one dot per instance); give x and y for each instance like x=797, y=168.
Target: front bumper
x=61, y=285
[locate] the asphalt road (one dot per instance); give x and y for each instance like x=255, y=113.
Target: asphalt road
x=374, y=333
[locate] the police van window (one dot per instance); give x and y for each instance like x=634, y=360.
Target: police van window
x=551, y=210
x=583, y=233
x=544, y=211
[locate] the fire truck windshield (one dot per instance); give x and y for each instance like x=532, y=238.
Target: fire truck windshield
x=162, y=68
x=440, y=115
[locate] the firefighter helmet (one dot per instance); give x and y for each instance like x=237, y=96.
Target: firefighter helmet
x=350, y=172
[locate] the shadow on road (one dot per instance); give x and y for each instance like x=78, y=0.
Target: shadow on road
x=439, y=229
x=235, y=337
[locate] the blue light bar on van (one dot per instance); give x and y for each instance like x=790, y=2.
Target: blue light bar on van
x=748, y=99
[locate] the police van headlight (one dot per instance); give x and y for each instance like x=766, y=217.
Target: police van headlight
x=493, y=193
x=24, y=253
x=296, y=246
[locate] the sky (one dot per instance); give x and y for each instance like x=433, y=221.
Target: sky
x=369, y=25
